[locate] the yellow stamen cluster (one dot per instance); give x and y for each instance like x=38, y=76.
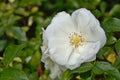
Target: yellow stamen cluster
x=75, y=39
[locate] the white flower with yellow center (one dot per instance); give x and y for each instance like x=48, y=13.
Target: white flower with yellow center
x=72, y=40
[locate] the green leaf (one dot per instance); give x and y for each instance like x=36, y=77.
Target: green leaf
x=13, y=74
x=117, y=62
x=24, y=3
x=20, y=10
x=111, y=24
x=117, y=47
x=108, y=68
x=89, y=78
x=115, y=11
x=18, y=33
x=83, y=68
x=66, y=75
x=110, y=39
x=33, y=76
x=97, y=70
x=88, y=3
x=103, y=6
x=97, y=13
x=2, y=29
x=2, y=44
x=35, y=61
x=104, y=51
x=1, y=69
x=10, y=53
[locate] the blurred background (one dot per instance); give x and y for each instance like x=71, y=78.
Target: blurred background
x=21, y=23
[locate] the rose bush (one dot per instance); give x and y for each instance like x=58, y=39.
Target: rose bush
x=72, y=47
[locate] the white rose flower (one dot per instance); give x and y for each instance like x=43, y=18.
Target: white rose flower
x=72, y=40
x=55, y=69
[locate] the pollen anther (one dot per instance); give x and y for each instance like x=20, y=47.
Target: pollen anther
x=75, y=39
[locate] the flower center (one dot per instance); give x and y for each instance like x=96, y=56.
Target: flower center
x=75, y=40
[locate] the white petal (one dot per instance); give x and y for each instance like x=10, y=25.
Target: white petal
x=74, y=61
x=45, y=42
x=89, y=26
x=60, y=53
x=56, y=72
x=60, y=26
x=45, y=55
x=88, y=51
x=55, y=69
x=84, y=53
x=94, y=34
x=81, y=18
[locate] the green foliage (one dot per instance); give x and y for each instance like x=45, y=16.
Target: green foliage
x=10, y=52
x=110, y=39
x=117, y=47
x=2, y=44
x=115, y=11
x=13, y=74
x=103, y=52
x=21, y=23
x=18, y=33
x=66, y=75
x=84, y=68
x=111, y=24
x=109, y=69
